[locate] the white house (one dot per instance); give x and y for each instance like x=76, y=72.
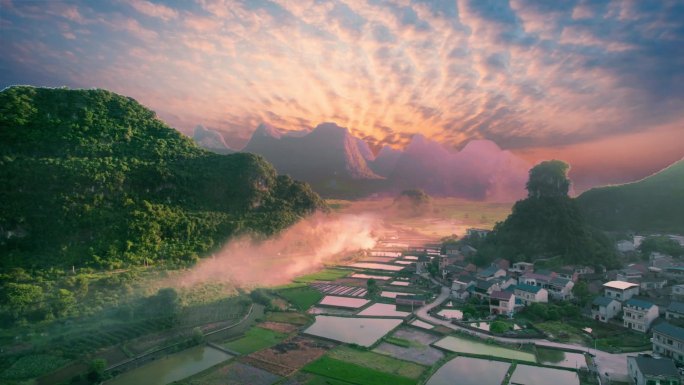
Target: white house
x=668, y=341
x=491, y=272
x=652, y=371
x=625, y=246
x=675, y=310
x=605, y=308
x=638, y=314
x=620, y=290
x=501, y=302
x=560, y=288
x=521, y=268
x=530, y=294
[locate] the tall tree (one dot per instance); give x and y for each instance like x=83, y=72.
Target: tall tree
x=549, y=179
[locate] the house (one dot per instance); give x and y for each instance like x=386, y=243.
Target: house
x=675, y=311
x=674, y=272
x=521, y=268
x=502, y=263
x=528, y=294
x=411, y=300
x=560, y=288
x=535, y=279
x=483, y=289
x=660, y=260
x=453, y=250
x=477, y=233
x=468, y=250
x=668, y=341
x=629, y=275
x=568, y=273
x=625, y=246
x=638, y=314
x=605, y=308
x=620, y=290
x=422, y=264
x=678, y=291
x=501, y=302
x=491, y=272
x=652, y=282
x=652, y=371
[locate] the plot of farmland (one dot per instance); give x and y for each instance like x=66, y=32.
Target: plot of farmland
x=255, y=339
x=289, y=356
x=360, y=331
x=377, y=266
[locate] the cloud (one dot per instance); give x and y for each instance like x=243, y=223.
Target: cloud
x=526, y=74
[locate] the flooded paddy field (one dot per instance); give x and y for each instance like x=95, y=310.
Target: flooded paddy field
x=347, y=302
x=382, y=310
x=360, y=331
x=377, y=266
x=173, y=367
x=464, y=345
x=470, y=371
x=535, y=375
x=333, y=289
x=419, y=349
x=370, y=276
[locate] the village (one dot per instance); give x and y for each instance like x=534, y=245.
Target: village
x=417, y=311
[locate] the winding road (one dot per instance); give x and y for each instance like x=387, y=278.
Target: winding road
x=611, y=366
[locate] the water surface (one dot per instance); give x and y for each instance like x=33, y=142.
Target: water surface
x=470, y=371
x=535, y=375
x=464, y=345
x=360, y=331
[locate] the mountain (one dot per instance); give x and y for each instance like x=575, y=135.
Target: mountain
x=211, y=140
x=480, y=171
x=328, y=157
x=547, y=223
x=385, y=162
x=94, y=178
x=652, y=204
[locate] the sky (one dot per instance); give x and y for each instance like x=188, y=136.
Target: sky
x=599, y=84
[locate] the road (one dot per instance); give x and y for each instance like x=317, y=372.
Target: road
x=613, y=364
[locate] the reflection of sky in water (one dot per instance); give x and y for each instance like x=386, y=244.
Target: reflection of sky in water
x=377, y=266
x=459, y=344
x=569, y=360
x=173, y=367
x=470, y=371
x=361, y=331
x=383, y=310
x=332, y=300
x=534, y=375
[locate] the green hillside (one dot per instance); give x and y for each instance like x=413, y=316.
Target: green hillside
x=655, y=203
x=92, y=178
x=546, y=224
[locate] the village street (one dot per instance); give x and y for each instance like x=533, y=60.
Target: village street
x=615, y=365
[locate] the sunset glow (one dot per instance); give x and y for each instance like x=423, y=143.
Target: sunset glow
x=599, y=84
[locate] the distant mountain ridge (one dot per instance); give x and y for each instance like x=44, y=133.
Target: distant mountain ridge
x=655, y=203
x=338, y=164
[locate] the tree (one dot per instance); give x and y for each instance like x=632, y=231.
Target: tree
x=372, y=287
x=63, y=302
x=660, y=244
x=97, y=369
x=20, y=298
x=581, y=292
x=548, y=179
x=498, y=327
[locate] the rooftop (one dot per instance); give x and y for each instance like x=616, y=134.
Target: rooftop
x=676, y=307
x=528, y=288
x=656, y=366
x=602, y=301
x=633, y=302
x=558, y=281
x=619, y=285
x=670, y=330
x=490, y=271
x=503, y=295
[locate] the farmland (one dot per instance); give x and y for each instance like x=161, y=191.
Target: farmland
x=255, y=339
x=355, y=374
x=301, y=297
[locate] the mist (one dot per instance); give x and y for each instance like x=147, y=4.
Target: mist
x=302, y=248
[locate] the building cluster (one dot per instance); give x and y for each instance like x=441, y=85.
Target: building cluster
x=644, y=297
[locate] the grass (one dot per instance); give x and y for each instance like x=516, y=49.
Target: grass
x=33, y=366
x=315, y=379
x=255, y=339
x=289, y=318
x=323, y=275
x=355, y=374
x=301, y=297
x=379, y=362
x=398, y=341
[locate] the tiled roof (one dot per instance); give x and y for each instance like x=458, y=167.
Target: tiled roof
x=670, y=330
x=676, y=307
x=503, y=295
x=528, y=288
x=638, y=303
x=602, y=301
x=656, y=366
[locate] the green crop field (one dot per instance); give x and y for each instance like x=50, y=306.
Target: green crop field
x=289, y=318
x=355, y=374
x=301, y=297
x=33, y=366
x=255, y=339
x=376, y=361
x=323, y=275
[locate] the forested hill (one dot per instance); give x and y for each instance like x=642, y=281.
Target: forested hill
x=655, y=203
x=92, y=178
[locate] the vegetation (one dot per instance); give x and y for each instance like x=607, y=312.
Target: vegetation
x=32, y=365
x=404, y=343
x=661, y=244
x=301, y=297
x=293, y=318
x=413, y=202
x=376, y=361
x=255, y=339
x=355, y=374
x=323, y=275
x=547, y=224
x=95, y=179
x=652, y=204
